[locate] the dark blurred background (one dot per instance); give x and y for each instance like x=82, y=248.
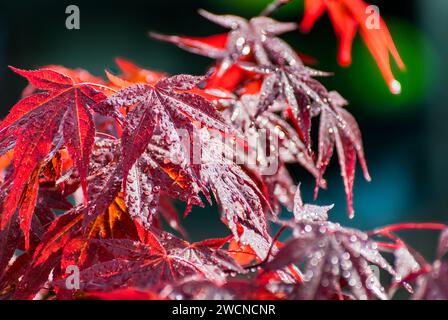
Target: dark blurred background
x=404, y=136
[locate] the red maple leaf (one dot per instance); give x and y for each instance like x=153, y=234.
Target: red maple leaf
x=165, y=105
x=162, y=259
x=66, y=108
x=339, y=129
x=126, y=150
x=346, y=16
x=332, y=255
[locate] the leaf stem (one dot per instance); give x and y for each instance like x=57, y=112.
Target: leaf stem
x=409, y=226
x=105, y=135
x=279, y=232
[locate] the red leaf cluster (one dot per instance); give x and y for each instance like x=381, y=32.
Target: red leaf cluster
x=92, y=171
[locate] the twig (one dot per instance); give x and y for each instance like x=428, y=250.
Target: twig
x=279, y=232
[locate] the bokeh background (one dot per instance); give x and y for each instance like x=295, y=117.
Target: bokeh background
x=405, y=136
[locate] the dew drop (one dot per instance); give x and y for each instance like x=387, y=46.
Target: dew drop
x=395, y=86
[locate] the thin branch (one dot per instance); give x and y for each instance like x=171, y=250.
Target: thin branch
x=279, y=232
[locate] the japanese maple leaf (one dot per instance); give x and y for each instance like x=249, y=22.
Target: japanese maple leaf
x=164, y=106
x=339, y=128
x=247, y=116
x=196, y=288
x=31, y=271
x=239, y=197
x=406, y=267
x=66, y=242
x=171, y=215
x=212, y=46
x=153, y=176
x=113, y=223
x=443, y=244
x=272, y=142
x=66, y=108
x=433, y=285
x=151, y=181
x=280, y=189
x=261, y=286
x=291, y=84
x=126, y=294
x=332, y=255
x=133, y=73
x=10, y=238
x=346, y=16
x=248, y=40
x=59, y=233
x=165, y=259
x=105, y=184
x=106, y=179
x=309, y=212
x=106, y=215
x=77, y=75
x=48, y=199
